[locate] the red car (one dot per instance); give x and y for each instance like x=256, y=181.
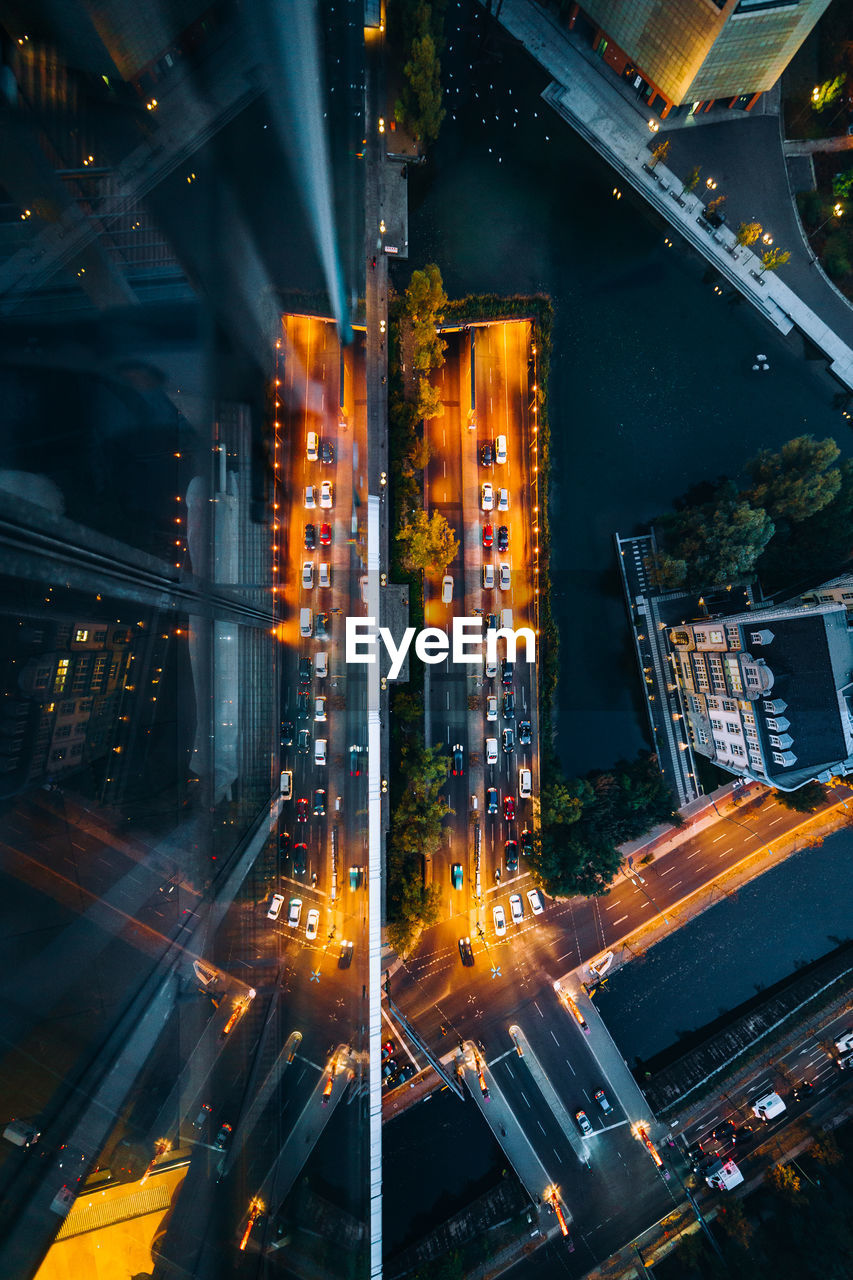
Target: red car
x=509, y=808
x=325, y=535
x=488, y=535
x=302, y=809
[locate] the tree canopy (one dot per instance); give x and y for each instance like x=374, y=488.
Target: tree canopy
x=798, y=481
x=719, y=541
x=428, y=542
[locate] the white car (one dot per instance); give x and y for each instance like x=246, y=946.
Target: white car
x=487, y=500
x=320, y=750
x=311, y=447
x=491, y=750
x=319, y=708
x=500, y=450
x=503, y=500
x=307, y=575
x=525, y=783
x=294, y=911
x=311, y=924
x=310, y=497
x=504, y=577
x=491, y=707
x=446, y=589
x=275, y=906
x=534, y=897
x=326, y=494
x=325, y=574
x=491, y=669
x=500, y=920
x=488, y=576
x=321, y=666
x=844, y=1043
x=516, y=908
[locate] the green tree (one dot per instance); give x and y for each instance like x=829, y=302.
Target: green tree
x=796, y=482
x=748, y=232
x=422, y=101
x=773, y=259
x=806, y=799
x=428, y=403
x=665, y=572
x=425, y=297
x=659, y=152
x=428, y=542
x=842, y=184
x=691, y=182
x=719, y=543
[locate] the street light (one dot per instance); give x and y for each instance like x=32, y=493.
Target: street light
x=767, y=238
x=711, y=184
x=837, y=212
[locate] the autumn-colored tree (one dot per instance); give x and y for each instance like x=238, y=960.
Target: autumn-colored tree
x=428, y=542
x=713, y=205
x=429, y=404
x=784, y=1179
x=748, y=232
x=773, y=259
x=691, y=182
x=798, y=480
x=659, y=152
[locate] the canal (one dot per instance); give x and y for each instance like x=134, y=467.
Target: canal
x=651, y=383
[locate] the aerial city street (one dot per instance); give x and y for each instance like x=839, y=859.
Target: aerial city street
x=426, y=734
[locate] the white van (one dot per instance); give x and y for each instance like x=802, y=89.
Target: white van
x=306, y=622
x=446, y=589
x=769, y=1106
x=311, y=450
x=321, y=666
x=21, y=1133
x=506, y=619
x=287, y=783
x=320, y=751
x=491, y=750
x=525, y=783
x=500, y=450
x=325, y=574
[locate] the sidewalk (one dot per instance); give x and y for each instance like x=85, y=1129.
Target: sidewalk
x=751, y=165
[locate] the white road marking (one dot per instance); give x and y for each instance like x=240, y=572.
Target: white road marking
x=571, y=1068
x=775, y=820
x=621, y=918
x=538, y=1010
x=717, y=839
x=524, y=1096
x=554, y=1038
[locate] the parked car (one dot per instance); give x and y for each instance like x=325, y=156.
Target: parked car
x=308, y=575
x=311, y=924
x=526, y=842
x=300, y=859
x=491, y=707
x=325, y=578
x=294, y=911
x=507, y=672
x=303, y=705
x=516, y=908
x=447, y=589
x=325, y=535
x=500, y=450
x=491, y=750
x=311, y=446
x=492, y=800
x=534, y=897
x=327, y=452
x=487, y=497
x=503, y=499
x=487, y=454
x=276, y=904
x=310, y=537
x=322, y=666
x=488, y=537
x=310, y=497
x=326, y=495
x=503, y=538
x=320, y=708
x=504, y=580
x=509, y=705
x=287, y=733
x=488, y=577
x=525, y=783
x=323, y=624
x=306, y=670
x=499, y=919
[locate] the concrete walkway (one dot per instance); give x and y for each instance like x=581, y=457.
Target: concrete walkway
x=584, y=96
x=808, y=146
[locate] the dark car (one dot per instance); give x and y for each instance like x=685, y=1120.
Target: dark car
x=325, y=535
x=345, y=958
x=511, y=855
x=509, y=705
x=310, y=537
x=487, y=454
x=603, y=1101
x=508, y=740
x=303, y=742
x=524, y=733
x=716, y=217
x=284, y=842
x=306, y=671
x=319, y=802
x=488, y=536
x=503, y=538
x=300, y=859
x=223, y=1137
x=322, y=623
x=303, y=705
x=724, y=1132
x=354, y=762
x=466, y=952
x=302, y=809
x=327, y=451
x=802, y=1091
x=492, y=622
x=406, y=1072
x=526, y=842
x=287, y=733
x=458, y=761
x=509, y=808
x=507, y=671
x=492, y=800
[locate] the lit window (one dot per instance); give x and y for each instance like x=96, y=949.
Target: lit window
x=81, y=635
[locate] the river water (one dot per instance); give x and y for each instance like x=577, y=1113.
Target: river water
x=651, y=385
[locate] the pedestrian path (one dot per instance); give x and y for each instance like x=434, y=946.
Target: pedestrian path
x=620, y=133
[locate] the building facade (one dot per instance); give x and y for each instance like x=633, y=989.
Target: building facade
x=699, y=51
x=767, y=694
